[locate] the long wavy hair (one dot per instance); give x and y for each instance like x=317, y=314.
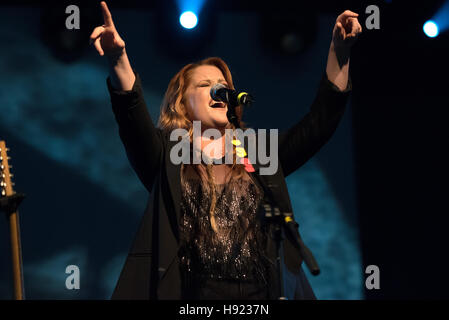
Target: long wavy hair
x=174, y=115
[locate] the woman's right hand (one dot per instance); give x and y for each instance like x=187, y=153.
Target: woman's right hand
x=105, y=38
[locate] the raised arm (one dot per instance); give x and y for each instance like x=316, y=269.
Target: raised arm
x=108, y=42
x=142, y=140
x=344, y=34
x=299, y=143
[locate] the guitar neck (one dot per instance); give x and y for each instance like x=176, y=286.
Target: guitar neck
x=7, y=191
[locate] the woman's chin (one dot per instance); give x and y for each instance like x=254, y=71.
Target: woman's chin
x=217, y=122
x=221, y=124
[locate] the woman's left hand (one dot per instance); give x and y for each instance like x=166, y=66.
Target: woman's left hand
x=346, y=30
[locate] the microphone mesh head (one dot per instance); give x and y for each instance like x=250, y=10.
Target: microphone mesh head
x=214, y=89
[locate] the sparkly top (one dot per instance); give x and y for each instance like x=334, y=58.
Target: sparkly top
x=235, y=251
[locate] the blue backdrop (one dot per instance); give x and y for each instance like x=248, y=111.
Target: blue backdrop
x=84, y=201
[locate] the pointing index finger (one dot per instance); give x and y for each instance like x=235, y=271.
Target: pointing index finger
x=106, y=14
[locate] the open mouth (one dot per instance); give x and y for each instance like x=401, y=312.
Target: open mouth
x=218, y=105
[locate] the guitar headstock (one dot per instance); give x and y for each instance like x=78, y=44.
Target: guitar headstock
x=5, y=174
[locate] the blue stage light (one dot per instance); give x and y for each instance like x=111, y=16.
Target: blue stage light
x=431, y=29
x=188, y=20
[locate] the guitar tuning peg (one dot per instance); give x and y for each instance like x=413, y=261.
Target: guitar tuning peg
x=7, y=149
x=10, y=166
x=11, y=175
x=3, y=193
x=13, y=184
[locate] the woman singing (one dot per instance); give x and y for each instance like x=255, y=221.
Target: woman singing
x=203, y=234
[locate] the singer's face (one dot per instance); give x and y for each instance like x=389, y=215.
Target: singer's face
x=199, y=103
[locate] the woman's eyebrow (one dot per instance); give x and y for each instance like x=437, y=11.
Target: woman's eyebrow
x=209, y=81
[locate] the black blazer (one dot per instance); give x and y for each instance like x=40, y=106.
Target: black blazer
x=151, y=270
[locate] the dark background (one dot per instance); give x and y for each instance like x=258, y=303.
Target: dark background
x=374, y=195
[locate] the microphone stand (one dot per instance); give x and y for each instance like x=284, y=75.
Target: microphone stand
x=232, y=117
x=278, y=219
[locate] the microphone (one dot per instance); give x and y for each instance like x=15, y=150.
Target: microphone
x=219, y=92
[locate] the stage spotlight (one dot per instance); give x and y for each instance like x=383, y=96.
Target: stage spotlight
x=439, y=22
x=187, y=35
x=188, y=20
x=430, y=29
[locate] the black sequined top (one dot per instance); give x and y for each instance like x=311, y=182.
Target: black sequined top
x=235, y=251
